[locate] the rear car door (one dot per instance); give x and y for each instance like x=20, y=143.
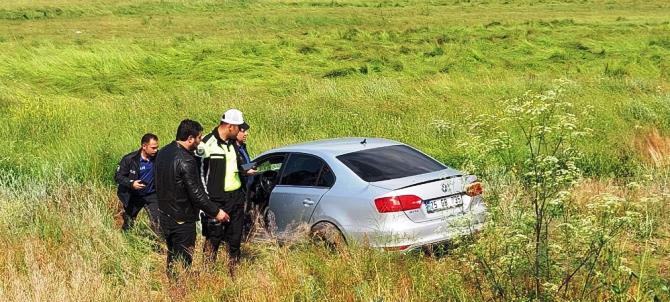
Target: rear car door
x=305, y=179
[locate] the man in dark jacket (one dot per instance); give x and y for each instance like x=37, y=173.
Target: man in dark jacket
x=181, y=195
x=135, y=177
x=241, y=141
x=250, y=209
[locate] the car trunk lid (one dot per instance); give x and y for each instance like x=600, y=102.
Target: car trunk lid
x=442, y=193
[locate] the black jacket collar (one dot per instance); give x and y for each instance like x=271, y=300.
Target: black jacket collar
x=137, y=155
x=180, y=147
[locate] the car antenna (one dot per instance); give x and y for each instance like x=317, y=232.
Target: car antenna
x=365, y=141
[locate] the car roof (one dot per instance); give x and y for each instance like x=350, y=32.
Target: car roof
x=337, y=146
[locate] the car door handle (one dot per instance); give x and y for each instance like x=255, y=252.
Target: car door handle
x=308, y=202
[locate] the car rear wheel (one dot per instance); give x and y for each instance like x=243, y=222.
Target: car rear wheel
x=329, y=234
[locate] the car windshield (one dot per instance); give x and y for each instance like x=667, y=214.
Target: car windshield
x=389, y=162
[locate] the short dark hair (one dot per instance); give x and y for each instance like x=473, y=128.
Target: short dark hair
x=146, y=138
x=188, y=128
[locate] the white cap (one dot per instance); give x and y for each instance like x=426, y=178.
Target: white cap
x=233, y=117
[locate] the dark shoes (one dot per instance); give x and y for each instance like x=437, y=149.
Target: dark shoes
x=127, y=223
x=232, y=268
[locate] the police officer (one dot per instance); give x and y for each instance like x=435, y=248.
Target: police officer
x=135, y=179
x=181, y=195
x=220, y=169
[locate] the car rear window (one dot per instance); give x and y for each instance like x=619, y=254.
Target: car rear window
x=389, y=162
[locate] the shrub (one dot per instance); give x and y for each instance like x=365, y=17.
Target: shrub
x=540, y=242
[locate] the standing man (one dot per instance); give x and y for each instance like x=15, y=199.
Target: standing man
x=135, y=177
x=250, y=209
x=220, y=168
x=241, y=141
x=181, y=195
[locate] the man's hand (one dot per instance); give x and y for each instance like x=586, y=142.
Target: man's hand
x=251, y=172
x=222, y=216
x=138, y=185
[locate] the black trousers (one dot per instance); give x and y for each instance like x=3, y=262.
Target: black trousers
x=230, y=232
x=135, y=204
x=180, y=240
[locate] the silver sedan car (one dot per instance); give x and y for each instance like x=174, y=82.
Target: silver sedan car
x=373, y=191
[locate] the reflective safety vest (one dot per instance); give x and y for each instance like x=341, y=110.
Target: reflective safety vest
x=219, y=170
x=232, y=180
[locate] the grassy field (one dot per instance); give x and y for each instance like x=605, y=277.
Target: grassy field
x=81, y=81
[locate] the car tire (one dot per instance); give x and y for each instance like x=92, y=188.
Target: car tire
x=329, y=234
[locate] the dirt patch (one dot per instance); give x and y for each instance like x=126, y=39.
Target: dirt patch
x=116, y=207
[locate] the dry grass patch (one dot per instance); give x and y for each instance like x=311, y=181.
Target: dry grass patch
x=654, y=147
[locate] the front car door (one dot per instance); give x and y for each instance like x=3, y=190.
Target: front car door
x=268, y=170
x=305, y=179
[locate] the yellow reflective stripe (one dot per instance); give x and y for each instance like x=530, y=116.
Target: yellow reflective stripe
x=232, y=178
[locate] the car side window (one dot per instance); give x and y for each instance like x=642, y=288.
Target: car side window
x=302, y=170
x=327, y=178
x=273, y=163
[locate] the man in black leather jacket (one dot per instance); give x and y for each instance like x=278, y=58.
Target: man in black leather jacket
x=181, y=195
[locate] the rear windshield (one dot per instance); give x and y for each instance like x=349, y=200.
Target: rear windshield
x=390, y=162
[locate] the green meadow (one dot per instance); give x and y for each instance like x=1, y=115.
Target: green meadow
x=81, y=81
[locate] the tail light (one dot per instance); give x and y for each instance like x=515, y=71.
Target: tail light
x=396, y=248
x=474, y=189
x=397, y=203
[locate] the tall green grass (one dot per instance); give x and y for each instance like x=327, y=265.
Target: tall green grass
x=84, y=88
x=61, y=242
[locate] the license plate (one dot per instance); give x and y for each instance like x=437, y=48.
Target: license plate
x=443, y=203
